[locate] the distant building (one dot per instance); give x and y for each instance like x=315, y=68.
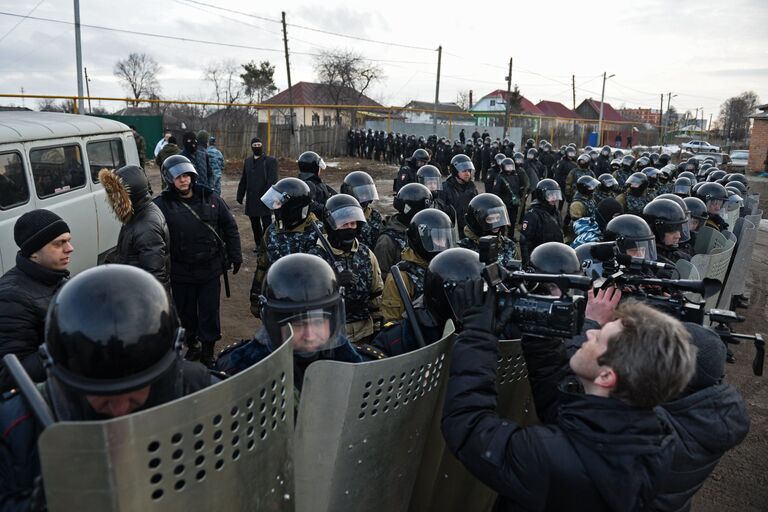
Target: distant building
x=314, y=105
x=496, y=101
x=758, y=142
x=641, y=115
x=590, y=109
x=446, y=113
x=555, y=109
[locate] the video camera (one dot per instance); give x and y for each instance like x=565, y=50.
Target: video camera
x=638, y=278
x=540, y=315
x=722, y=320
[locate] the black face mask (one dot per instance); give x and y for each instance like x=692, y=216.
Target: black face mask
x=342, y=239
x=190, y=145
x=257, y=151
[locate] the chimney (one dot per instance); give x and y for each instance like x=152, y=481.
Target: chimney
x=470, y=98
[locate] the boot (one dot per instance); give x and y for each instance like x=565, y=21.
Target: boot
x=194, y=349
x=206, y=356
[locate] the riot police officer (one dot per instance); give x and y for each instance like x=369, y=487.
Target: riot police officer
x=541, y=222
x=511, y=186
x=300, y=298
x=632, y=235
x=486, y=153
x=430, y=232
x=684, y=245
x=634, y=198
x=627, y=164
x=112, y=347
x=407, y=173
x=607, y=187
x=430, y=177
x=361, y=186
x=682, y=187
x=310, y=167
x=583, y=168
x=714, y=196
x=204, y=242
x=487, y=216
x=583, y=205
x=667, y=220
x=698, y=218
x=564, y=167
x=493, y=172
x=533, y=167
x=459, y=189
x=357, y=270
x=603, y=163
x=291, y=232
x=410, y=199
x=547, y=159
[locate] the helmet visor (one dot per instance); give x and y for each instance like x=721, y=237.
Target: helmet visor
x=695, y=224
x=464, y=166
x=497, y=217
x=734, y=202
x=552, y=195
x=433, y=183
x=365, y=193
x=437, y=239
x=314, y=331
x=274, y=199
x=682, y=189
x=181, y=168
x=645, y=249
x=345, y=215
x=509, y=168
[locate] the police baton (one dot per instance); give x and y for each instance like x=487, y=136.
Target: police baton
x=226, y=282
x=328, y=249
x=29, y=391
x=408, y=306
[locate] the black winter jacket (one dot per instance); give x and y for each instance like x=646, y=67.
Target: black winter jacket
x=458, y=195
x=25, y=292
x=258, y=175
x=143, y=239
x=708, y=423
x=597, y=454
x=196, y=256
x=318, y=191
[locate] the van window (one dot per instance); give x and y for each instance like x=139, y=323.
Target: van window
x=105, y=154
x=13, y=181
x=57, y=170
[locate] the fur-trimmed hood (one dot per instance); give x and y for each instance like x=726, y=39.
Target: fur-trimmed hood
x=127, y=190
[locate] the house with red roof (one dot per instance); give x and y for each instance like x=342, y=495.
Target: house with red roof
x=555, y=109
x=496, y=102
x=590, y=109
x=313, y=104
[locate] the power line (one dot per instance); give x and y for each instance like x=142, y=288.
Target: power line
x=23, y=18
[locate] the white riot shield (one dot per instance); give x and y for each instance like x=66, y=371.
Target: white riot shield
x=686, y=270
x=730, y=218
x=707, y=241
x=715, y=266
x=450, y=487
x=755, y=218
x=226, y=447
x=362, y=428
x=752, y=202
x=742, y=259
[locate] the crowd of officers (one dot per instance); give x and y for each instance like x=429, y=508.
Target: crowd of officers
x=348, y=284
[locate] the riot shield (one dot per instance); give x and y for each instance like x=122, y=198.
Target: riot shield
x=226, y=447
x=708, y=240
x=450, y=486
x=742, y=260
x=755, y=218
x=715, y=264
x=686, y=270
x=362, y=428
x=730, y=218
x=752, y=203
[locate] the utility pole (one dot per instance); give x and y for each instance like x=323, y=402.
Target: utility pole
x=602, y=102
x=509, y=97
x=88, y=90
x=669, y=103
x=437, y=89
x=78, y=58
x=573, y=84
x=288, y=68
x=661, y=121
x=22, y=96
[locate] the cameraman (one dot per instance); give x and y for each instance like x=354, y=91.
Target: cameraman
x=602, y=445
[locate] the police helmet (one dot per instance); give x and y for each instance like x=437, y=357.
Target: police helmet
x=715, y=175
x=738, y=186
x=618, y=154
x=632, y=235
x=627, y=162
x=652, y=174
x=412, y=198
x=499, y=157
x=698, y=212
x=689, y=175
x=451, y=266
x=486, y=214
x=430, y=232
x=637, y=183
x=547, y=190
x=570, y=152
x=554, y=258
x=176, y=165
x=361, y=186
x=666, y=216
x=664, y=158
x=420, y=157
x=605, y=151
x=110, y=330
x=532, y=154
x=586, y=185
x=615, y=164
x=519, y=158
x=301, y=296
x=530, y=143
x=309, y=161
x=430, y=177
x=461, y=163
x=739, y=178
x=713, y=195
x=607, y=182
x=508, y=165
x=289, y=198
x=682, y=186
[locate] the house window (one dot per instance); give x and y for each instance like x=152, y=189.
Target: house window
x=327, y=121
x=493, y=103
x=315, y=119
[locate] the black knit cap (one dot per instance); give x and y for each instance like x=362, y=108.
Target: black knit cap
x=35, y=229
x=710, y=357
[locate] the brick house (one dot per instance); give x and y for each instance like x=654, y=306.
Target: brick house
x=758, y=142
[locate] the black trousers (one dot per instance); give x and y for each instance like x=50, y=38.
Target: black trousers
x=198, y=305
x=259, y=225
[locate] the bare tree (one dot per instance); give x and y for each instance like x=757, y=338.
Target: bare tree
x=734, y=115
x=347, y=75
x=462, y=99
x=50, y=105
x=138, y=74
x=224, y=77
x=258, y=80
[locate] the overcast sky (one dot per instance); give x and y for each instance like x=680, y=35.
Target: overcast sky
x=702, y=50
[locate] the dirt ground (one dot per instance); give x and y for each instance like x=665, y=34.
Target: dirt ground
x=740, y=481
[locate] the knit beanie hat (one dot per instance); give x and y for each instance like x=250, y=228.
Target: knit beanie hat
x=710, y=357
x=35, y=229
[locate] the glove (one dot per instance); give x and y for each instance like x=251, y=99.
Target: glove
x=236, y=267
x=477, y=303
x=346, y=278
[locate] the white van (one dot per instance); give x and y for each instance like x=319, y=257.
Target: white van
x=52, y=161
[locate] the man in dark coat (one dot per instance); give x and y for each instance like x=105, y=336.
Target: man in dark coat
x=601, y=445
x=198, y=158
x=259, y=173
x=143, y=239
x=26, y=290
x=458, y=190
